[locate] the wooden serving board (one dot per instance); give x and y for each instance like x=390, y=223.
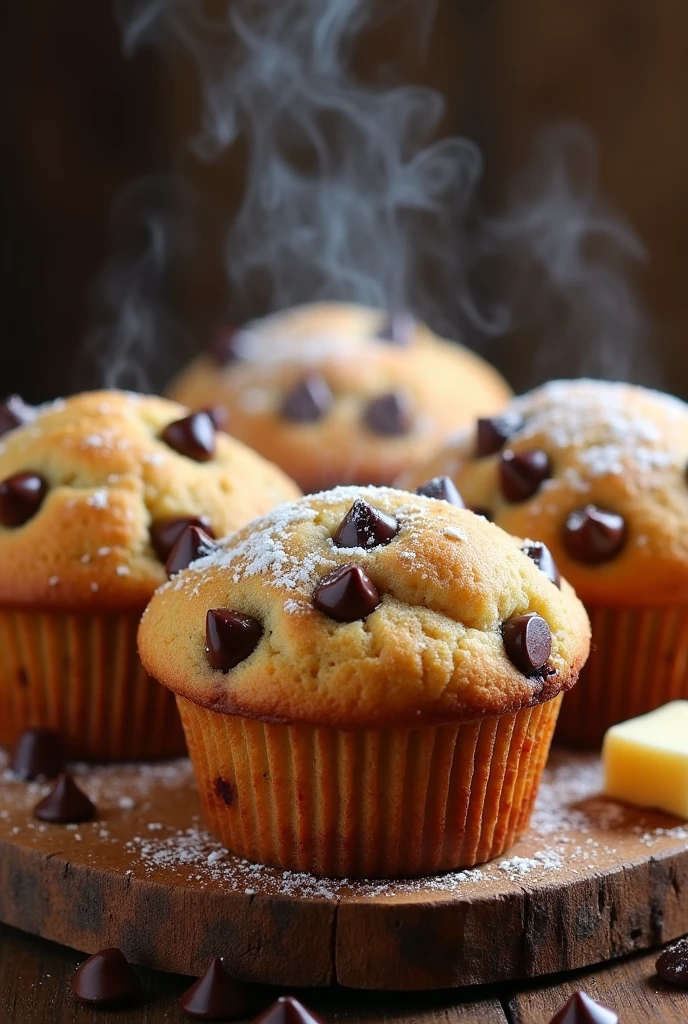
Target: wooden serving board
x=591, y=880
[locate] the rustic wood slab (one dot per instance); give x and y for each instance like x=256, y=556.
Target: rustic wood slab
x=591, y=880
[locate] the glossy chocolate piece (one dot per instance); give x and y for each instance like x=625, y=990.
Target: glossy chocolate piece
x=308, y=400
x=492, y=433
x=192, y=436
x=218, y=414
x=105, y=979
x=672, y=965
x=38, y=753
x=65, y=804
x=399, y=328
x=287, y=1010
x=21, y=496
x=194, y=543
x=389, y=415
x=581, y=1009
x=223, y=345
x=594, y=535
x=166, y=532
x=521, y=473
x=346, y=594
x=442, y=488
x=364, y=526
x=230, y=637
x=542, y=556
x=527, y=642
x=215, y=996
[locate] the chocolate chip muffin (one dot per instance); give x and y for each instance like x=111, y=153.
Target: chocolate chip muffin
x=597, y=472
x=368, y=680
x=337, y=393
x=95, y=491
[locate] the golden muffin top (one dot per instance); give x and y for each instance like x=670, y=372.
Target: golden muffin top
x=597, y=472
x=337, y=393
x=365, y=606
x=95, y=490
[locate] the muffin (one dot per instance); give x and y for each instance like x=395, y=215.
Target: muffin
x=94, y=492
x=337, y=393
x=596, y=471
x=368, y=681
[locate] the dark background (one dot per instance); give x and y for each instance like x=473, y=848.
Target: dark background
x=79, y=122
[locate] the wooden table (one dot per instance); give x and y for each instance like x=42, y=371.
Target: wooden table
x=35, y=988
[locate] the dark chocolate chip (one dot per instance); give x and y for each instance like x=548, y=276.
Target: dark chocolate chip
x=223, y=346
x=593, y=535
x=542, y=556
x=521, y=473
x=106, y=978
x=38, y=752
x=225, y=791
x=399, y=328
x=364, y=526
x=346, y=594
x=65, y=804
x=492, y=433
x=166, y=532
x=230, y=637
x=308, y=400
x=672, y=965
x=287, y=1010
x=192, y=436
x=218, y=415
x=527, y=642
x=13, y=413
x=442, y=489
x=215, y=996
x=389, y=414
x=194, y=543
x=21, y=496
x=581, y=1009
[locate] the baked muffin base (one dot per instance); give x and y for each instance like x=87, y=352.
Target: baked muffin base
x=368, y=802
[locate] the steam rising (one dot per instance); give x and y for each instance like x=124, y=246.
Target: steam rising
x=349, y=195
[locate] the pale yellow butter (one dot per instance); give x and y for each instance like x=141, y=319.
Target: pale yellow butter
x=646, y=759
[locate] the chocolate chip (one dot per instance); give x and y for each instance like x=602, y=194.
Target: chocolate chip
x=346, y=594
x=399, y=328
x=192, y=436
x=492, y=433
x=581, y=1009
x=593, y=535
x=106, y=978
x=218, y=414
x=442, y=489
x=223, y=345
x=21, y=496
x=287, y=1010
x=542, y=556
x=215, y=996
x=38, y=752
x=194, y=543
x=672, y=965
x=365, y=527
x=389, y=414
x=13, y=413
x=521, y=473
x=166, y=532
x=527, y=642
x=225, y=791
x=230, y=637
x=308, y=400
x=65, y=804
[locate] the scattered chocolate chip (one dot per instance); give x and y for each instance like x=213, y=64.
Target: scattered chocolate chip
x=13, y=413
x=194, y=543
x=38, y=752
x=389, y=414
x=593, y=535
x=399, y=328
x=106, y=978
x=287, y=1010
x=491, y=434
x=65, y=804
x=223, y=345
x=218, y=415
x=215, y=996
x=346, y=594
x=166, y=532
x=442, y=489
x=225, y=791
x=21, y=496
x=581, y=1009
x=365, y=527
x=230, y=637
x=193, y=436
x=542, y=556
x=521, y=473
x=527, y=642
x=309, y=400
x=672, y=965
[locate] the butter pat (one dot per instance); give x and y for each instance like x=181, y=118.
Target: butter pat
x=645, y=759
